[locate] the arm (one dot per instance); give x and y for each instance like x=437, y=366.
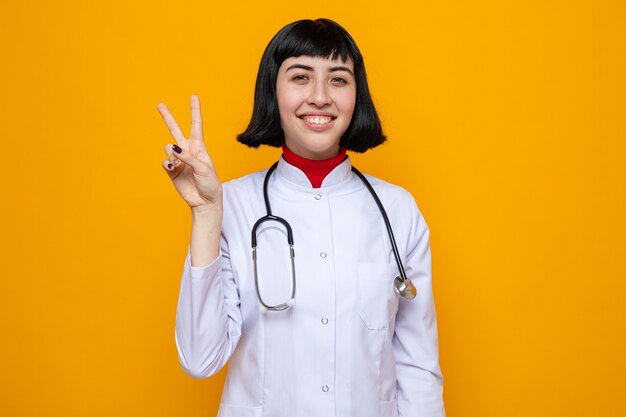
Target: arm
x=208, y=319
x=415, y=344
x=191, y=170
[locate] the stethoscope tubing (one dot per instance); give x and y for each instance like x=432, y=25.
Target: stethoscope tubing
x=394, y=246
x=270, y=217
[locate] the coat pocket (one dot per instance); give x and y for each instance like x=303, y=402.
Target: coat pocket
x=389, y=408
x=378, y=300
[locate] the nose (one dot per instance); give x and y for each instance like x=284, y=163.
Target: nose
x=318, y=94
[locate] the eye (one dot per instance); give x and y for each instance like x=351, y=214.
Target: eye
x=300, y=77
x=338, y=80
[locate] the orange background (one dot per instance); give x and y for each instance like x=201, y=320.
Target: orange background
x=506, y=120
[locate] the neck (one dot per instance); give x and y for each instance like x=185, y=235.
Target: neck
x=315, y=170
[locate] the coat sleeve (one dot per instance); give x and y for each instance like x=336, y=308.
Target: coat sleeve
x=415, y=343
x=208, y=318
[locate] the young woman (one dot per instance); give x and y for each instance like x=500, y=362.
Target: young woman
x=291, y=272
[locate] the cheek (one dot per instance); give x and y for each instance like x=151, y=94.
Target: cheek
x=287, y=105
x=281, y=98
x=287, y=97
x=352, y=104
x=347, y=102
x=348, y=106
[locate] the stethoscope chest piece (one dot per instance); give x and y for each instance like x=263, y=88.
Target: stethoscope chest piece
x=405, y=288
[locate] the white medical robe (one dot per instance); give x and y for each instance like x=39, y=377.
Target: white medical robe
x=350, y=346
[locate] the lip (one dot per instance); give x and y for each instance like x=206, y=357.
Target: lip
x=317, y=127
x=316, y=113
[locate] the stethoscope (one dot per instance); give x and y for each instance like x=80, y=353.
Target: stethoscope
x=403, y=285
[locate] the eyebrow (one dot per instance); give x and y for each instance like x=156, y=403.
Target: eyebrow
x=331, y=69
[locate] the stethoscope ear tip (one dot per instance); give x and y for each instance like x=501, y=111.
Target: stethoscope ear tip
x=291, y=302
x=262, y=308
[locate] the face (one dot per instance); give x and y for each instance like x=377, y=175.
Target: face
x=316, y=98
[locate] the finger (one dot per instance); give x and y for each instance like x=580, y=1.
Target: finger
x=190, y=159
x=168, y=166
x=196, y=118
x=204, y=157
x=171, y=123
x=170, y=154
x=169, y=151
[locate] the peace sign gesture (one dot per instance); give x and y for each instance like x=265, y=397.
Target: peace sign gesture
x=189, y=166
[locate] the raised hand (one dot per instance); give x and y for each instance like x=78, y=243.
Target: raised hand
x=189, y=166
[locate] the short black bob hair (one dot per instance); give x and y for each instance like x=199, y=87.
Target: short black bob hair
x=318, y=38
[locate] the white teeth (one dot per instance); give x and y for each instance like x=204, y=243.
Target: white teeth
x=317, y=120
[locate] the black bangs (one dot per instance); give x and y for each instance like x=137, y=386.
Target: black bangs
x=319, y=38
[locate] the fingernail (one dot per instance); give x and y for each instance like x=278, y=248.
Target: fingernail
x=169, y=166
x=177, y=148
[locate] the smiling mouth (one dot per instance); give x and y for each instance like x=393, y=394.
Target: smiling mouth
x=317, y=120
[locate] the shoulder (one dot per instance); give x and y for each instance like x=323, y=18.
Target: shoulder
x=243, y=185
x=400, y=205
x=407, y=222
x=242, y=197
x=391, y=195
x=242, y=200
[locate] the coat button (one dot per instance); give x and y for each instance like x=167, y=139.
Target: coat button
x=318, y=196
x=325, y=388
x=323, y=254
x=324, y=320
